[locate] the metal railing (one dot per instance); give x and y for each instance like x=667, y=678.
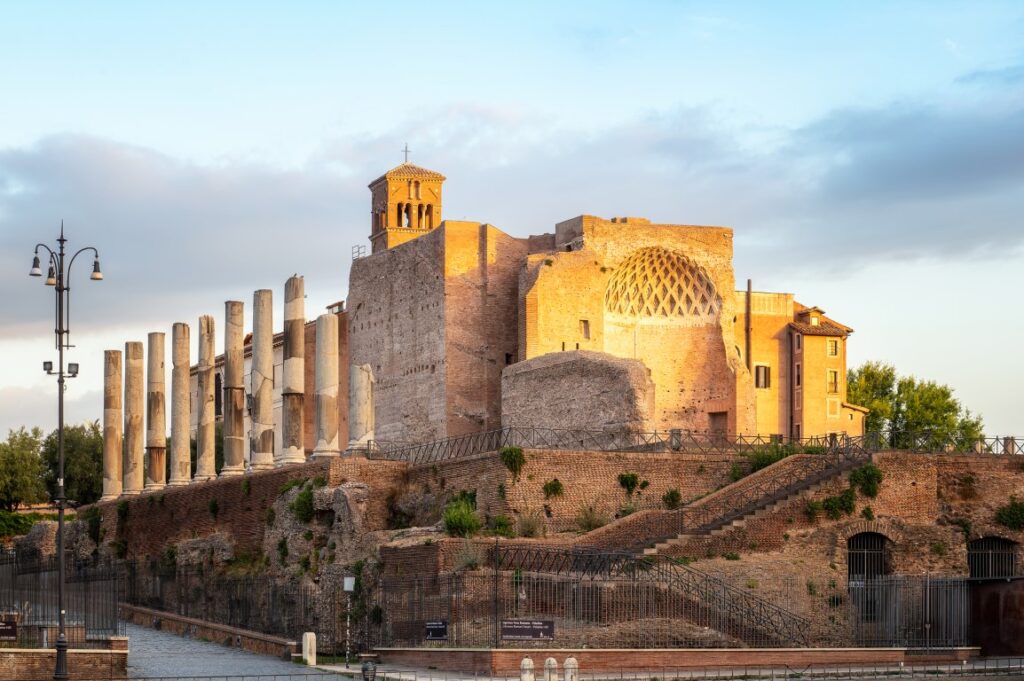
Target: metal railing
x=591, y=598
x=472, y=444
x=28, y=600
x=276, y=606
x=462, y=446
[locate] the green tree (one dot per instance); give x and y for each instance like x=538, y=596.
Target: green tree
x=83, y=462
x=873, y=386
x=910, y=407
x=21, y=469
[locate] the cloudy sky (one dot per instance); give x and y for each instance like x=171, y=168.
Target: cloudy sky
x=870, y=157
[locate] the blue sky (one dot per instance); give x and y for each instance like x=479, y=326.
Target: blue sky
x=870, y=156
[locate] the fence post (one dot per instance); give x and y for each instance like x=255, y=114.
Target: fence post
x=526, y=670
x=551, y=669
x=497, y=626
x=572, y=669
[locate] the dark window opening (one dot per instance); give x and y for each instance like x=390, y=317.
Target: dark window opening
x=218, y=396
x=866, y=562
x=762, y=376
x=508, y=358
x=991, y=557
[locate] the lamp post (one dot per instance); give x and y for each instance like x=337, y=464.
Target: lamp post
x=57, y=276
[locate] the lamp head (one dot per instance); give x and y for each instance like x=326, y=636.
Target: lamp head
x=96, y=275
x=51, y=277
x=47, y=367
x=73, y=369
x=35, y=271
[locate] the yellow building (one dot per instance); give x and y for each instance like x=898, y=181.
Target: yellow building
x=441, y=309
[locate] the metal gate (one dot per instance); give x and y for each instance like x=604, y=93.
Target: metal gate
x=910, y=611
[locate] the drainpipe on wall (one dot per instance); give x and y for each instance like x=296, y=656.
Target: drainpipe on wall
x=748, y=323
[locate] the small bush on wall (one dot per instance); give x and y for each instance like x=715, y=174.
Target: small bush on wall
x=460, y=518
x=590, y=519
x=866, y=479
x=514, y=460
x=553, y=488
x=1011, y=515
x=629, y=482
x=672, y=499
x=302, y=507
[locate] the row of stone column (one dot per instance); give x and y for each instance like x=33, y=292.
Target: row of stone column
x=123, y=448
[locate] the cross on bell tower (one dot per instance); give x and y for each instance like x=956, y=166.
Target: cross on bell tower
x=405, y=204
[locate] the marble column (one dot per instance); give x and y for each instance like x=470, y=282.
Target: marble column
x=112, y=425
x=326, y=398
x=261, y=378
x=360, y=406
x=234, y=389
x=156, y=415
x=293, y=385
x=134, y=408
x=181, y=412
x=205, y=432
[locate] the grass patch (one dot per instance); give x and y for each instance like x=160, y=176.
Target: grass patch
x=460, y=518
x=513, y=459
x=553, y=488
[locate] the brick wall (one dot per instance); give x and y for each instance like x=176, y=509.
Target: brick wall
x=154, y=521
x=38, y=664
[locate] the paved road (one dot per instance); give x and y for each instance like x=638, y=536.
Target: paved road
x=155, y=654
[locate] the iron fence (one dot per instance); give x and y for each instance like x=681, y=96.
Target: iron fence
x=586, y=599
x=462, y=446
x=28, y=601
x=911, y=612
x=277, y=606
x=678, y=440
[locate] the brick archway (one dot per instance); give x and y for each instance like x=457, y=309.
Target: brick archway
x=892, y=530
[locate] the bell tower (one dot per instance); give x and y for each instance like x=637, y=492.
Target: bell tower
x=405, y=203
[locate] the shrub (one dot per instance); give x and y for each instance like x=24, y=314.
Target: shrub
x=835, y=601
x=302, y=507
x=271, y=515
x=731, y=555
x=214, y=508
x=968, y=488
x=501, y=525
x=120, y=548
x=812, y=509
x=460, y=518
x=752, y=584
x=553, y=488
x=812, y=589
x=736, y=472
x=514, y=460
x=965, y=526
x=628, y=482
x=319, y=481
x=867, y=514
x=91, y=517
x=531, y=524
x=290, y=485
x=246, y=488
x=307, y=535
x=470, y=557
x=867, y=478
x=587, y=518
x=938, y=548
x=835, y=507
x=628, y=509
x=282, y=549
x=501, y=490
x=672, y=499
x=766, y=457
x=1011, y=515
x=304, y=563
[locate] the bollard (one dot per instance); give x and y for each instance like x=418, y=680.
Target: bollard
x=551, y=669
x=572, y=669
x=309, y=648
x=526, y=670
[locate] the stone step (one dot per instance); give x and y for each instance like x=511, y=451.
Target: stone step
x=738, y=522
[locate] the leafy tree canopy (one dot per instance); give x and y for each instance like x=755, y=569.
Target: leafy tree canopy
x=83, y=462
x=21, y=469
x=910, y=405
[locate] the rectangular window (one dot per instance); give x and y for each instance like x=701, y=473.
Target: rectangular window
x=799, y=341
x=833, y=347
x=832, y=385
x=799, y=374
x=585, y=328
x=762, y=376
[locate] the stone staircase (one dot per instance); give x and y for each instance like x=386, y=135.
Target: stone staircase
x=736, y=523
x=750, y=497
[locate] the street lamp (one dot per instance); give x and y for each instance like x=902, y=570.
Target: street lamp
x=57, y=276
